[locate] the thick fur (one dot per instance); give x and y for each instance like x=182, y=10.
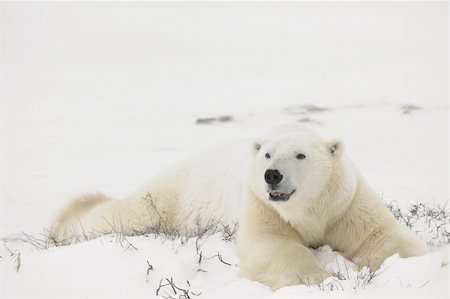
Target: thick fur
x=71, y=215
x=190, y=194
x=330, y=204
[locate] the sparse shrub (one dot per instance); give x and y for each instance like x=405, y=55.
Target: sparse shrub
x=430, y=222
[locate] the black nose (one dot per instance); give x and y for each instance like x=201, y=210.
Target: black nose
x=273, y=176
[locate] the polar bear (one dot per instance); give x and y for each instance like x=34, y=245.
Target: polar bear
x=290, y=191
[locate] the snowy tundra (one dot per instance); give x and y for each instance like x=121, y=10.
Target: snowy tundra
x=295, y=190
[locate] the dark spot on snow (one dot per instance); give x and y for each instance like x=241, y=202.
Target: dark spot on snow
x=304, y=109
x=211, y=120
x=408, y=108
x=308, y=120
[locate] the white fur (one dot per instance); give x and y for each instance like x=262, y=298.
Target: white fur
x=330, y=204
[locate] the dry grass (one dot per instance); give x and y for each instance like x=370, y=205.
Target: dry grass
x=173, y=291
x=14, y=256
x=430, y=222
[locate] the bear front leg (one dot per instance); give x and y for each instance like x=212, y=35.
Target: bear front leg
x=271, y=251
x=384, y=243
x=278, y=261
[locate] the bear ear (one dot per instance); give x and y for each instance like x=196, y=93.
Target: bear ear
x=256, y=146
x=335, y=147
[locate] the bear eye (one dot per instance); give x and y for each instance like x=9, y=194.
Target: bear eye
x=301, y=156
x=267, y=155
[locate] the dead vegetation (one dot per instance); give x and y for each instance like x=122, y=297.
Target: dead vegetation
x=408, y=108
x=163, y=230
x=212, y=120
x=304, y=109
x=14, y=256
x=173, y=291
x=430, y=222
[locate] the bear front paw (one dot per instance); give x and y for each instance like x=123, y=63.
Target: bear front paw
x=278, y=281
x=314, y=278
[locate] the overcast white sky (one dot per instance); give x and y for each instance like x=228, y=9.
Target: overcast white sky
x=224, y=53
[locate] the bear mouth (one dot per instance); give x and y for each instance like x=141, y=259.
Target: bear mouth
x=275, y=195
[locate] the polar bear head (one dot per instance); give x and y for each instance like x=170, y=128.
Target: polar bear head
x=291, y=166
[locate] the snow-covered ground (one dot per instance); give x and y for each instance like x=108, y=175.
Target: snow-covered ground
x=100, y=97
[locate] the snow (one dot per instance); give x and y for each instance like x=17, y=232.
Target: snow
x=119, y=267
x=101, y=96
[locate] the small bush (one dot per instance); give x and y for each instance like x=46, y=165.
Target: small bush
x=430, y=222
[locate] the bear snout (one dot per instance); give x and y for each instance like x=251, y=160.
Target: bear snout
x=273, y=177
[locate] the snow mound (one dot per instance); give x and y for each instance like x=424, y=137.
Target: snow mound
x=143, y=266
